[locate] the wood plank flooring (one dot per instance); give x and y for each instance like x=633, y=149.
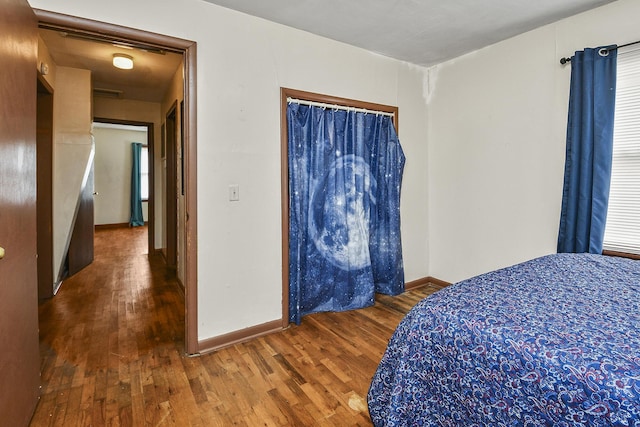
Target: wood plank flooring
x=112, y=351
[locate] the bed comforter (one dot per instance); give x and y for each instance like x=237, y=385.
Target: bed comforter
x=550, y=342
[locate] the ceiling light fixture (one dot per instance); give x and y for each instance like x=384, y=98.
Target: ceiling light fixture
x=122, y=61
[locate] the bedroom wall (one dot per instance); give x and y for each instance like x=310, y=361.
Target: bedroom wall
x=112, y=173
x=242, y=63
x=497, y=123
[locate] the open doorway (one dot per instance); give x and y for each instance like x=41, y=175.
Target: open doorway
x=126, y=38
x=113, y=174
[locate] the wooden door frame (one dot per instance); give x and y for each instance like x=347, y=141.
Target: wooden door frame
x=188, y=49
x=284, y=167
x=151, y=218
x=44, y=199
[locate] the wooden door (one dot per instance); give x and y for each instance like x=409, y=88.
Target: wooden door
x=19, y=354
x=172, y=189
x=44, y=154
x=80, y=252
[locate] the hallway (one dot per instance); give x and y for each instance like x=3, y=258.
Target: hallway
x=110, y=335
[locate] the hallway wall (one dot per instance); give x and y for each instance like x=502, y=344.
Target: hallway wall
x=72, y=155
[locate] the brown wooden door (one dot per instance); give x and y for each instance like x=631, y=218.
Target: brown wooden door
x=172, y=186
x=44, y=153
x=19, y=353
x=80, y=252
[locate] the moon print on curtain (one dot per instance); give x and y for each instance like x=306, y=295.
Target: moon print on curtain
x=345, y=173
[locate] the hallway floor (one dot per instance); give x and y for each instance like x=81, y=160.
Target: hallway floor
x=112, y=351
x=109, y=334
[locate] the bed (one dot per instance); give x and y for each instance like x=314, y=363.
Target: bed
x=554, y=341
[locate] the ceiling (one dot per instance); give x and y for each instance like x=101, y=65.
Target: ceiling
x=148, y=81
x=423, y=32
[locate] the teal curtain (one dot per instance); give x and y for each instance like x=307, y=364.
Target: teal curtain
x=589, y=150
x=136, y=218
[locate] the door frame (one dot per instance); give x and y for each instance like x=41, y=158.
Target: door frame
x=151, y=200
x=44, y=197
x=188, y=49
x=286, y=93
x=170, y=145
x=20, y=358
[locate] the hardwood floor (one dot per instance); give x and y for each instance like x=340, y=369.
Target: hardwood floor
x=112, y=351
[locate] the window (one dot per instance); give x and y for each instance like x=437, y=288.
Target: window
x=144, y=173
x=622, y=231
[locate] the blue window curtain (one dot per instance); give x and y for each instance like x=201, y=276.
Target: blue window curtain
x=345, y=173
x=589, y=150
x=136, y=218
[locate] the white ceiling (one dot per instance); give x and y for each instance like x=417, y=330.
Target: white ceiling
x=149, y=80
x=423, y=32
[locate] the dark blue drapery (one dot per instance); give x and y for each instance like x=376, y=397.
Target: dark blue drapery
x=589, y=149
x=345, y=173
x=136, y=218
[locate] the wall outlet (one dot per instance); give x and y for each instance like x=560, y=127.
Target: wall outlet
x=234, y=193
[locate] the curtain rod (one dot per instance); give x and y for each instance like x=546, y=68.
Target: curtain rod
x=337, y=107
x=565, y=60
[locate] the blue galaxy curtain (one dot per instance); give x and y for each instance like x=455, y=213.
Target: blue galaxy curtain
x=345, y=173
x=136, y=218
x=589, y=149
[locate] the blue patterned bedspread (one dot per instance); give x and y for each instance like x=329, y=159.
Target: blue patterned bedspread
x=550, y=342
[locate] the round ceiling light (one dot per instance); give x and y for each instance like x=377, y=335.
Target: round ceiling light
x=122, y=61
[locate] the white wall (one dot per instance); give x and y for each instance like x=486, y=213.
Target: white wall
x=242, y=63
x=497, y=124
x=112, y=204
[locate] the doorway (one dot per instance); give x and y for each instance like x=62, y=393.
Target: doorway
x=132, y=37
x=114, y=203
x=287, y=95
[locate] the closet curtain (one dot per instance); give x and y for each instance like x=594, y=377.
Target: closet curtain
x=345, y=173
x=589, y=150
x=136, y=218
